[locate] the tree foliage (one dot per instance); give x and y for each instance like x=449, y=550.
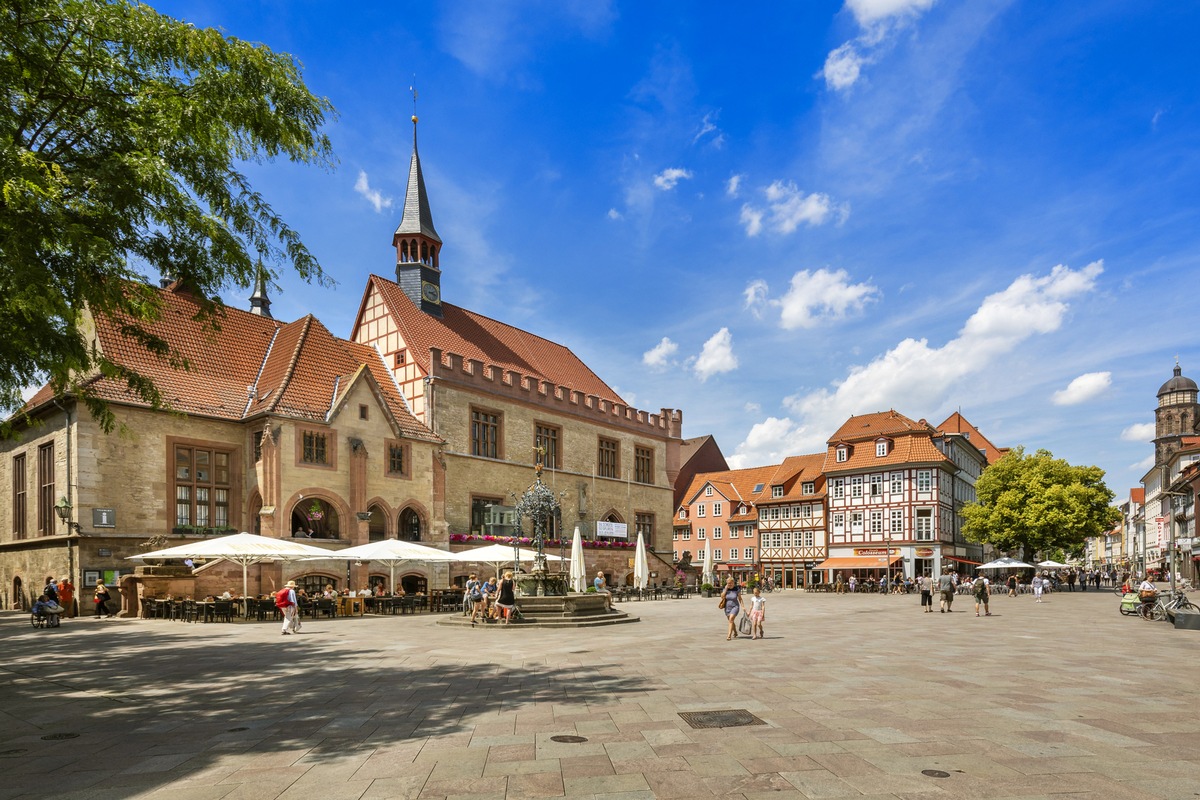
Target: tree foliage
x=1038, y=503
x=121, y=135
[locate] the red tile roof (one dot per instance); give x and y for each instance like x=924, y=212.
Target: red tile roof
x=474, y=336
x=957, y=423
x=868, y=427
x=251, y=365
x=908, y=442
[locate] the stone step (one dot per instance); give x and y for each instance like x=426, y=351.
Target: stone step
x=528, y=623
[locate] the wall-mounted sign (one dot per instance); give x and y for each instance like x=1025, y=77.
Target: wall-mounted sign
x=104, y=518
x=924, y=552
x=875, y=551
x=612, y=530
x=104, y=552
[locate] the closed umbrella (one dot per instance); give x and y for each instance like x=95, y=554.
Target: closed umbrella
x=707, y=566
x=641, y=567
x=578, y=575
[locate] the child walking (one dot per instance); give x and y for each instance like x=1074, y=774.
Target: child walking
x=758, y=613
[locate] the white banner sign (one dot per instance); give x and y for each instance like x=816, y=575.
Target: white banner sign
x=612, y=530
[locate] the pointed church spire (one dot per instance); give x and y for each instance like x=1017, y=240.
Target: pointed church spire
x=417, y=243
x=417, y=219
x=260, y=304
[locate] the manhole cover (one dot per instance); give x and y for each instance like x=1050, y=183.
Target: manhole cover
x=15, y=752
x=935, y=773
x=568, y=739
x=733, y=718
x=55, y=737
x=235, y=730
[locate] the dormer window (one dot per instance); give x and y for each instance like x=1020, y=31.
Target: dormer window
x=880, y=449
x=742, y=510
x=682, y=513
x=842, y=454
x=708, y=491
x=776, y=491
x=808, y=487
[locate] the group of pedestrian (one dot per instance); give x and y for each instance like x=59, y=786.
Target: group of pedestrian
x=731, y=605
x=492, y=600
x=60, y=593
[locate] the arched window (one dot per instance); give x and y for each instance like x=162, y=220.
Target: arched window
x=315, y=519
x=413, y=583
x=404, y=252
x=424, y=252
x=433, y=254
x=409, y=529
x=256, y=505
x=377, y=527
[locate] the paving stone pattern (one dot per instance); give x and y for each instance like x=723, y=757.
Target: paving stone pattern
x=859, y=693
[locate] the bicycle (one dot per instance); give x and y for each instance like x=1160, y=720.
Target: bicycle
x=1159, y=609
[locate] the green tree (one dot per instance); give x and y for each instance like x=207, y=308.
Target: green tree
x=1038, y=503
x=121, y=136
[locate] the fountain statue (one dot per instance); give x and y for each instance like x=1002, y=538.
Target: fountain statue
x=541, y=507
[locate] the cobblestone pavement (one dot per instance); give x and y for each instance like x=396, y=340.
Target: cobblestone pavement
x=860, y=696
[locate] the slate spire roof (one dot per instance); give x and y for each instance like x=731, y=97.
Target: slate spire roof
x=417, y=217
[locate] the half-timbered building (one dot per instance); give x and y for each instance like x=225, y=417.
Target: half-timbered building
x=896, y=488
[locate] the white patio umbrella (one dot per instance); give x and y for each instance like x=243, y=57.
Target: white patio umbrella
x=391, y=552
x=496, y=554
x=578, y=567
x=1051, y=564
x=240, y=548
x=641, y=567
x=707, y=566
x=1004, y=563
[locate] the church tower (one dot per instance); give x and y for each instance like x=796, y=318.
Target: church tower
x=417, y=243
x=1175, y=416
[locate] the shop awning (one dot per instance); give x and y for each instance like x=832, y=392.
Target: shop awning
x=858, y=562
x=962, y=560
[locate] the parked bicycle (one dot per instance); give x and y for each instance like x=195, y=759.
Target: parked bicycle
x=1164, y=604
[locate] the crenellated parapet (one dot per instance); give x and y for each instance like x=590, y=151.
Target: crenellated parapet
x=503, y=382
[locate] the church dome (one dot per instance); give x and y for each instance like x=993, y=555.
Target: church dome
x=1178, y=383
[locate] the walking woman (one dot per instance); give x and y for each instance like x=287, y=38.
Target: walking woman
x=507, y=598
x=101, y=600
x=731, y=605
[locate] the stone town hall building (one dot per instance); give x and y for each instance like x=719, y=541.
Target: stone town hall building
x=420, y=425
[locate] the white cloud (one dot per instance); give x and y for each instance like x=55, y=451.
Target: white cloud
x=752, y=408
x=878, y=20
x=915, y=376
x=869, y=12
x=734, y=184
x=1143, y=466
x=372, y=195
x=614, y=214
x=659, y=357
x=755, y=297
x=716, y=356
x=842, y=67
x=1139, y=432
x=707, y=126
x=788, y=208
x=752, y=218
x=1086, y=387
x=822, y=296
x=667, y=179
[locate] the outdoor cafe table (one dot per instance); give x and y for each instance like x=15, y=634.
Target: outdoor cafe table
x=350, y=606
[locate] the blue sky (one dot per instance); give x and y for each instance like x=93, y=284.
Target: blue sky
x=776, y=216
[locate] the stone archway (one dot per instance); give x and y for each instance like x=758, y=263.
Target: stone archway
x=409, y=525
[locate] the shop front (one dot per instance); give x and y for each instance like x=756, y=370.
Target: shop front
x=865, y=563
x=792, y=573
